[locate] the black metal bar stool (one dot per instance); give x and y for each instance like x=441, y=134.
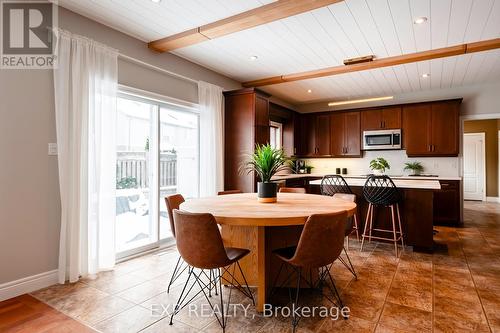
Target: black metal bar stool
x=381, y=191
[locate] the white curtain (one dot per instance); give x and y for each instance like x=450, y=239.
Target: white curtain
x=211, y=103
x=85, y=86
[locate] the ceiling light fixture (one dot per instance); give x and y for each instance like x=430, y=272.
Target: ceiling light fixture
x=354, y=101
x=309, y=91
x=426, y=75
x=156, y=1
x=254, y=57
x=420, y=20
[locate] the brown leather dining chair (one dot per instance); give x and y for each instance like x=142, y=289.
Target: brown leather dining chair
x=173, y=202
x=320, y=244
x=200, y=245
x=229, y=192
x=292, y=190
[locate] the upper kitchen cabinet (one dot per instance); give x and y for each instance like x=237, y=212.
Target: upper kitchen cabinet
x=445, y=128
x=305, y=135
x=345, y=136
x=314, y=135
x=431, y=129
x=246, y=117
x=322, y=135
x=379, y=119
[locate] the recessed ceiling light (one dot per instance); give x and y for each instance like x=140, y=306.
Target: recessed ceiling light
x=353, y=101
x=156, y=1
x=425, y=75
x=309, y=91
x=420, y=20
x=254, y=57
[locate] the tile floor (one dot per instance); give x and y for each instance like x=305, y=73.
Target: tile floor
x=456, y=289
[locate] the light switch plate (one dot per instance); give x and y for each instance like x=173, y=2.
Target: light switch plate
x=52, y=149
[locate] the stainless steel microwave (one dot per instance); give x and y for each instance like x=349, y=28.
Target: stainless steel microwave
x=382, y=140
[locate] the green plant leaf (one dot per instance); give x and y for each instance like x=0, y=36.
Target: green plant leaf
x=265, y=162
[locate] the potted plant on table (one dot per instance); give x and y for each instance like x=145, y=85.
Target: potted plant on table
x=379, y=165
x=266, y=162
x=415, y=167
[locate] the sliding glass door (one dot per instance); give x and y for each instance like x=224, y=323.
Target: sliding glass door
x=157, y=155
x=179, y=159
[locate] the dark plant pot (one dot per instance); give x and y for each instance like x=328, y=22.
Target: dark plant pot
x=267, y=192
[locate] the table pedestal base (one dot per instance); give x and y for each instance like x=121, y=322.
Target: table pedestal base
x=261, y=266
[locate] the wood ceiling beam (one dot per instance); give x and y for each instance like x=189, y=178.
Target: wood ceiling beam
x=261, y=15
x=379, y=63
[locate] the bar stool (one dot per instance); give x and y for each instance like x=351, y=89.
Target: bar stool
x=200, y=245
x=320, y=244
x=292, y=190
x=381, y=191
x=333, y=184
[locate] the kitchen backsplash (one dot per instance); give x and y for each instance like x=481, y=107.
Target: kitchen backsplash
x=441, y=166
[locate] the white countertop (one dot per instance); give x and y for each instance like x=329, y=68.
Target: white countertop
x=320, y=175
x=401, y=183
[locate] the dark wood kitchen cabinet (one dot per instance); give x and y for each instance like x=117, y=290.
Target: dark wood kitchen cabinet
x=447, y=203
x=431, y=129
x=322, y=135
x=379, y=119
x=444, y=128
x=314, y=135
x=246, y=123
x=345, y=136
x=307, y=135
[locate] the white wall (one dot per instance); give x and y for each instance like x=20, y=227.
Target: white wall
x=442, y=166
x=29, y=189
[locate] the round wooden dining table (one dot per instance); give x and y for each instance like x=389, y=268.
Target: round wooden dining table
x=263, y=227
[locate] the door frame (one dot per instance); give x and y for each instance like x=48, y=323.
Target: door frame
x=483, y=138
x=165, y=101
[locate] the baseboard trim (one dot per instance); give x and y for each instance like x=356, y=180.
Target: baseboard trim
x=28, y=284
x=492, y=199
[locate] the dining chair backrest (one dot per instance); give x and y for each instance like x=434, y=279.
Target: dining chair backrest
x=173, y=202
x=199, y=241
x=321, y=241
x=331, y=184
x=292, y=190
x=381, y=190
x=229, y=192
x=347, y=197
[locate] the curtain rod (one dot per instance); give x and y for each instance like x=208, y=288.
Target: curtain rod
x=156, y=68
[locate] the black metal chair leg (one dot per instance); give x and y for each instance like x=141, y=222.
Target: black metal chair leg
x=173, y=277
x=295, y=320
x=335, y=292
x=348, y=264
x=178, y=304
x=246, y=283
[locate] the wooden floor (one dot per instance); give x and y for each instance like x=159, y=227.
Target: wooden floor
x=27, y=314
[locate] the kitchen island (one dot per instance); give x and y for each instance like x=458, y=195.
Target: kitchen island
x=421, y=206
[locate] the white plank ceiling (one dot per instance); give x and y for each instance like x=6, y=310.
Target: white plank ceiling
x=322, y=38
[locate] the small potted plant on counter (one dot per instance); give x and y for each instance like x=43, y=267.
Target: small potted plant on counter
x=379, y=165
x=415, y=168
x=266, y=162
